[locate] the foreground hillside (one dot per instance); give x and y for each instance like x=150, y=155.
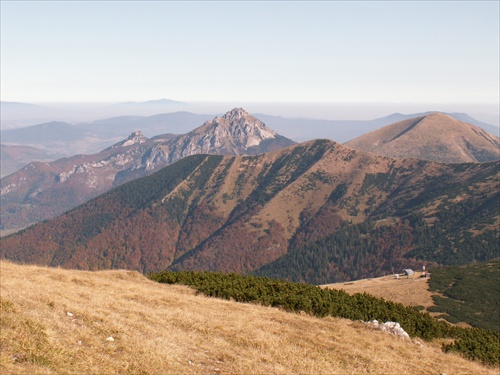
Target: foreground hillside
x=57, y=321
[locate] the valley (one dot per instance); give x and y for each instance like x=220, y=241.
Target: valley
x=230, y=187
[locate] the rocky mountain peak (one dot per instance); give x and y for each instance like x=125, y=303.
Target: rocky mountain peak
x=236, y=114
x=243, y=129
x=132, y=139
x=235, y=133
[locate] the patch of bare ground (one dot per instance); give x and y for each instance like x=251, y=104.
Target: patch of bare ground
x=56, y=321
x=412, y=291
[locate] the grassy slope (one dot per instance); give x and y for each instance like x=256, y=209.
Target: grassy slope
x=167, y=329
x=450, y=293
x=412, y=291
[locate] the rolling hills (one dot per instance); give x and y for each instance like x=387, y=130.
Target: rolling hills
x=69, y=139
x=436, y=136
x=58, y=321
x=318, y=212
x=44, y=190
x=14, y=158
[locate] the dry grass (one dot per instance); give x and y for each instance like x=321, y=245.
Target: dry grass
x=162, y=329
x=413, y=291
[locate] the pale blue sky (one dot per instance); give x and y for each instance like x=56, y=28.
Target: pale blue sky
x=339, y=51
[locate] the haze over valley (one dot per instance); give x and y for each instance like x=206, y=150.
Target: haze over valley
x=249, y=187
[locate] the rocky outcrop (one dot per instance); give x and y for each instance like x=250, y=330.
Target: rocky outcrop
x=235, y=133
x=66, y=183
x=133, y=139
x=392, y=328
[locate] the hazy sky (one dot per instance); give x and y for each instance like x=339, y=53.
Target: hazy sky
x=338, y=51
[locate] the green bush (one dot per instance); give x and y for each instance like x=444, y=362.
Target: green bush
x=475, y=344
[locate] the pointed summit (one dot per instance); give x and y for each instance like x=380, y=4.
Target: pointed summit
x=235, y=133
x=235, y=114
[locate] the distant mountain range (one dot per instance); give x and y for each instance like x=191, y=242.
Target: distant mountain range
x=317, y=211
x=18, y=114
x=304, y=129
x=20, y=111
x=435, y=136
x=84, y=138
x=67, y=139
x=41, y=191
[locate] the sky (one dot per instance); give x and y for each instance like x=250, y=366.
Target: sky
x=251, y=51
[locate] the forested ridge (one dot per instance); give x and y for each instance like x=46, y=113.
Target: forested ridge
x=317, y=212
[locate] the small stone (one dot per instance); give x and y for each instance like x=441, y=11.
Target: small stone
x=69, y=314
x=110, y=338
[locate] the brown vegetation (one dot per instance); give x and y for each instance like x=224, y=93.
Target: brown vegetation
x=240, y=214
x=56, y=321
x=436, y=136
x=410, y=291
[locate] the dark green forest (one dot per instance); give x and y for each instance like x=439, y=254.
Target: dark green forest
x=471, y=294
x=365, y=250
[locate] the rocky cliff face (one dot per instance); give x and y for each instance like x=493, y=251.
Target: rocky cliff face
x=133, y=139
x=41, y=191
x=235, y=133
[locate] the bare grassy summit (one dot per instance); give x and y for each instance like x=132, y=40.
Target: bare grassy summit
x=56, y=321
x=437, y=137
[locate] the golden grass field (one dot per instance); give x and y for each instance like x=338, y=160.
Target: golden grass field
x=412, y=291
x=57, y=321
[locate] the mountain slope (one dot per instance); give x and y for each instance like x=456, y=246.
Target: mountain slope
x=43, y=190
x=318, y=212
x=14, y=158
x=57, y=321
x=436, y=136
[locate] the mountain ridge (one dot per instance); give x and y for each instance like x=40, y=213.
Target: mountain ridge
x=317, y=206
x=42, y=190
